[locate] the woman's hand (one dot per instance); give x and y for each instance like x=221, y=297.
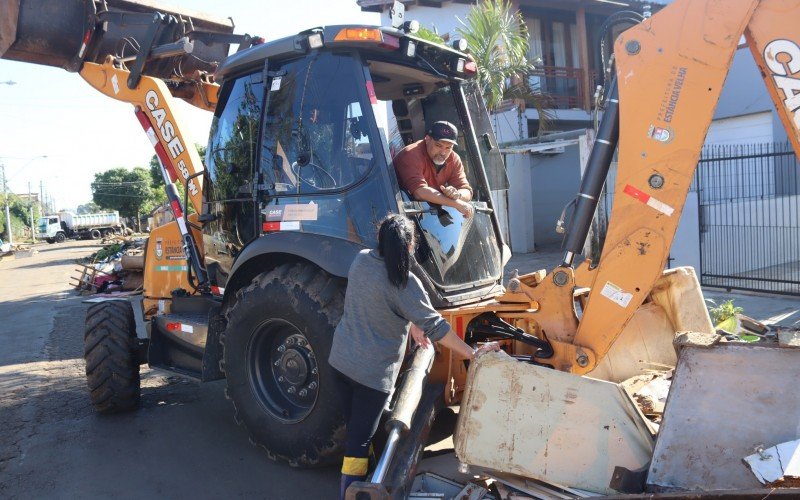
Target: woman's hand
x=487, y=347
x=419, y=336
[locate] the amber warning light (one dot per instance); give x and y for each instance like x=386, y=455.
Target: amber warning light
x=368, y=35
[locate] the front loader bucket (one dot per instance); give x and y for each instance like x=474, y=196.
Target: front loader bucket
x=570, y=430
x=65, y=33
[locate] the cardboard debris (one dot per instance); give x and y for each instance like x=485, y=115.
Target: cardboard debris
x=653, y=396
x=789, y=338
x=778, y=465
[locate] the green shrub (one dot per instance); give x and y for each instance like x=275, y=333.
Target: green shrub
x=724, y=311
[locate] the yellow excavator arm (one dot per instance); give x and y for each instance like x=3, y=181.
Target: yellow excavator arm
x=670, y=70
x=152, y=96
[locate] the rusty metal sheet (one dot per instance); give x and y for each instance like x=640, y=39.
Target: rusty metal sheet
x=725, y=401
x=560, y=428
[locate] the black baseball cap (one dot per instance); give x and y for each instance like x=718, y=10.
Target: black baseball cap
x=443, y=131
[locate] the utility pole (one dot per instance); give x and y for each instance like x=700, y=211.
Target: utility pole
x=41, y=198
x=8, y=212
x=30, y=207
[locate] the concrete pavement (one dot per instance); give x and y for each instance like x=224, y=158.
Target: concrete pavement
x=181, y=443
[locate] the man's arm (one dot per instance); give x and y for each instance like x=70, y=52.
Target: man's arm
x=427, y=193
x=458, y=181
x=457, y=194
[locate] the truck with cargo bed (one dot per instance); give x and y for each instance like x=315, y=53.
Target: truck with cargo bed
x=57, y=228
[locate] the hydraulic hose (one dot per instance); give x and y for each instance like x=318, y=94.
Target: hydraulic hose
x=594, y=177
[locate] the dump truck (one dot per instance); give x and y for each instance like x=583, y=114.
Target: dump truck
x=57, y=228
x=250, y=287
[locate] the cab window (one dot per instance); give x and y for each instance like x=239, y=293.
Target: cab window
x=230, y=159
x=233, y=140
x=316, y=136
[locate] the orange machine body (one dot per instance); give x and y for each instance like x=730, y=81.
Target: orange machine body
x=166, y=266
x=670, y=71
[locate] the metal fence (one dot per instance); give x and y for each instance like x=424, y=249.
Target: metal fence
x=749, y=200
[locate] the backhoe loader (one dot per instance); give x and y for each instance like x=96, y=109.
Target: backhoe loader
x=298, y=171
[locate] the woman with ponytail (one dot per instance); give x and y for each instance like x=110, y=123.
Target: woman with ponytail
x=383, y=302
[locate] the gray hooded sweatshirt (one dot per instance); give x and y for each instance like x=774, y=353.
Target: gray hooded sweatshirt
x=370, y=340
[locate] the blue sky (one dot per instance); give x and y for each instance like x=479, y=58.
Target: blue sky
x=55, y=113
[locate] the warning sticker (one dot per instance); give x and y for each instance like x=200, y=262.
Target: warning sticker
x=648, y=200
x=301, y=211
x=276, y=84
x=280, y=226
x=616, y=294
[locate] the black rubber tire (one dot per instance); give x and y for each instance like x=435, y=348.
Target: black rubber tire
x=60, y=238
x=292, y=296
x=95, y=234
x=50, y=240
x=111, y=355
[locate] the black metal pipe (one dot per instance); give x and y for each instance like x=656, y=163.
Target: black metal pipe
x=594, y=177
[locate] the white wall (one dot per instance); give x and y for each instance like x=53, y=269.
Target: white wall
x=443, y=20
x=520, y=203
x=511, y=125
x=747, y=129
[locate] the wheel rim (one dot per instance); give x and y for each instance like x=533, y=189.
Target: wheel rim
x=282, y=370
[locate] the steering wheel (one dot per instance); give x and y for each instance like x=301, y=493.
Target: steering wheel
x=320, y=179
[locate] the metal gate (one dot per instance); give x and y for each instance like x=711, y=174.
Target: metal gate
x=749, y=199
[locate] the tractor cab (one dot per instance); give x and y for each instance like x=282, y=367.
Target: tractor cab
x=299, y=159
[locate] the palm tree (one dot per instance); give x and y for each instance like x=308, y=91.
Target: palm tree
x=498, y=40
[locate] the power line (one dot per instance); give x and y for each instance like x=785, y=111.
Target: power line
x=122, y=195
x=121, y=183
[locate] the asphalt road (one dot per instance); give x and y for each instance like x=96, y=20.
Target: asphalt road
x=181, y=443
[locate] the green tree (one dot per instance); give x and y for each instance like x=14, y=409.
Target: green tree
x=127, y=191
x=19, y=209
x=89, y=208
x=498, y=40
x=157, y=180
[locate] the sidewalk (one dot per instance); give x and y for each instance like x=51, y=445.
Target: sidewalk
x=777, y=310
